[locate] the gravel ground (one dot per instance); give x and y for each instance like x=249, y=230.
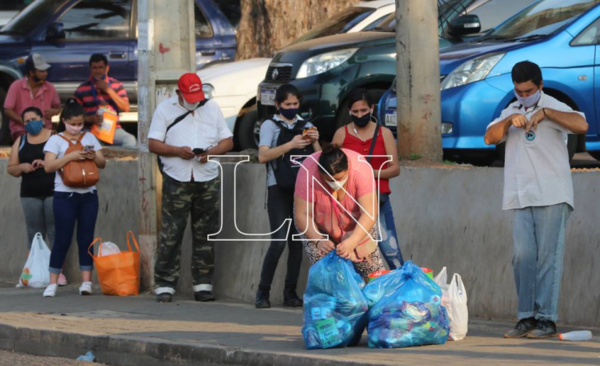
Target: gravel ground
x=8, y=358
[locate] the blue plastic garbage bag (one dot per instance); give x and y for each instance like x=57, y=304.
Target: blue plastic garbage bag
x=406, y=310
x=335, y=309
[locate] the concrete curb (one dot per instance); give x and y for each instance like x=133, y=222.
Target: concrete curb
x=126, y=351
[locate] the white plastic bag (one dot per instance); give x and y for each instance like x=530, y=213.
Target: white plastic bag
x=108, y=248
x=454, y=299
x=36, y=271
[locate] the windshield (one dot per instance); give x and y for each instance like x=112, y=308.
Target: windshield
x=27, y=20
x=339, y=23
x=542, y=18
x=447, y=10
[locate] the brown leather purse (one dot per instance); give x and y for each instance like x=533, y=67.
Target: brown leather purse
x=78, y=174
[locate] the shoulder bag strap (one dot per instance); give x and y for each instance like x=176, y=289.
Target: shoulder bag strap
x=66, y=139
x=23, y=139
x=180, y=118
x=373, y=142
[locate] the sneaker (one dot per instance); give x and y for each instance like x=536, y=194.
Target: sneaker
x=262, y=299
x=204, y=296
x=522, y=329
x=164, y=297
x=62, y=280
x=85, y=289
x=544, y=329
x=50, y=291
x=291, y=299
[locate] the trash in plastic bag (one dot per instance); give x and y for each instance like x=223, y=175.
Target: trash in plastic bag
x=454, y=299
x=108, y=248
x=406, y=310
x=335, y=309
x=35, y=272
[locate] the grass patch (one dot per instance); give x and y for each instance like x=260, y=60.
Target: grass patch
x=414, y=157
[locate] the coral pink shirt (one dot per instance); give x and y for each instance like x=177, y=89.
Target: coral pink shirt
x=360, y=182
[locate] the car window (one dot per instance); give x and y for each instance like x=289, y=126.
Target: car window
x=542, y=19
x=590, y=36
x=339, y=23
x=91, y=19
x=376, y=23
x=15, y=5
x=493, y=12
x=26, y=21
x=203, y=28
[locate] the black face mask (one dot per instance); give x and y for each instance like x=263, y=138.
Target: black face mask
x=361, y=121
x=36, y=79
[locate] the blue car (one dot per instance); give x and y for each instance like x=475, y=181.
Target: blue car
x=562, y=36
x=67, y=32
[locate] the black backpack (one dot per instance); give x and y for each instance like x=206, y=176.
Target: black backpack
x=285, y=170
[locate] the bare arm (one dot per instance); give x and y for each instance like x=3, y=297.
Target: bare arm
x=393, y=169
x=52, y=163
x=10, y=113
x=338, y=138
x=122, y=103
x=99, y=160
x=15, y=168
x=306, y=224
x=572, y=121
x=496, y=133
x=266, y=154
x=367, y=220
x=222, y=148
x=161, y=149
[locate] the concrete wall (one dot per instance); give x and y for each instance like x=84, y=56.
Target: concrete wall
x=445, y=217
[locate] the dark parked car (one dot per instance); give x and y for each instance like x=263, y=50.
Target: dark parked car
x=66, y=32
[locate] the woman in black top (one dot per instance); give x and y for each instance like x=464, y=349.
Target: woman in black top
x=37, y=186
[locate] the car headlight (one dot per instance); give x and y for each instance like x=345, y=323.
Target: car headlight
x=471, y=71
x=322, y=63
x=209, y=91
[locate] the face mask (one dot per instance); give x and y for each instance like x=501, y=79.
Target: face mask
x=189, y=106
x=289, y=113
x=73, y=130
x=529, y=101
x=361, y=121
x=36, y=79
x=34, y=127
x=337, y=185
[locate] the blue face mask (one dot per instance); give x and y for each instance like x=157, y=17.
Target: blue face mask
x=529, y=101
x=288, y=113
x=34, y=127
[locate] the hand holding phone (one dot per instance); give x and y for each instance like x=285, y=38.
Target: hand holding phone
x=199, y=151
x=88, y=148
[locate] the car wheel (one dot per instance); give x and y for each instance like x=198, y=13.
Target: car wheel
x=5, y=139
x=248, y=132
x=343, y=117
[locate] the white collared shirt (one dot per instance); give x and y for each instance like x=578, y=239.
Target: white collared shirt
x=536, y=168
x=204, y=128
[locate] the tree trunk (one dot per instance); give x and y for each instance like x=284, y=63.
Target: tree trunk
x=418, y=80
x=269, y=25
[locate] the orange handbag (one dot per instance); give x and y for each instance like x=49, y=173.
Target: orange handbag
x=118, y=274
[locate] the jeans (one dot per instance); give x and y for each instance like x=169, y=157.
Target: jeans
x=281, y=207
x=389, y=246
x=539, y=247
x=124, y=139
x=39, y=218
x=71, y=208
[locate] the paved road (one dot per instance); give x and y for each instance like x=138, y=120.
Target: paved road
x=18, y=359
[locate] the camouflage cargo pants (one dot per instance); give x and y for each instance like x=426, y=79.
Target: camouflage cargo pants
x=179, y=200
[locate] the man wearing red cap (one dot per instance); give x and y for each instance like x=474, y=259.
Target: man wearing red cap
x=185, y=130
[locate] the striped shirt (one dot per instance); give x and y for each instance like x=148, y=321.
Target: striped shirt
x=92, y=98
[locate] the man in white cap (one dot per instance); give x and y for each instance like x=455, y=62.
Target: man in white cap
x=185, y=130
x=31, y=91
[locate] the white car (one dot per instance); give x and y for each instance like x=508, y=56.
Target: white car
x=233, y=85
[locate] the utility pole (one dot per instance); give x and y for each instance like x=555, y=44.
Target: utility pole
x=418, y=79
x=166, y=50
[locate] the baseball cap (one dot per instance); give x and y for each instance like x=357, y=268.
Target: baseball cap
x=35, y=61
x=190, y=86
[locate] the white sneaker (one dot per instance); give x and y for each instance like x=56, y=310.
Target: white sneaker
x=62, y=280
x=50, y=290
x=85, y=289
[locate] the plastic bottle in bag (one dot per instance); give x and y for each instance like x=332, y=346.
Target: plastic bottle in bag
x=108, y=248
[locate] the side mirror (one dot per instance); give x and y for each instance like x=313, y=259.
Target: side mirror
x=463, y=25
x=55, y=32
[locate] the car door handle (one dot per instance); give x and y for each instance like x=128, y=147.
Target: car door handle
x=119, y=56
x=208, y=53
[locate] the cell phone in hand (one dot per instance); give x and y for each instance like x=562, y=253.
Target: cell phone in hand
x=87, y=148
x=199, y=151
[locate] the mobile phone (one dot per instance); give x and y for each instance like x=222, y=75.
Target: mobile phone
x=198, y=151
x=87, y=148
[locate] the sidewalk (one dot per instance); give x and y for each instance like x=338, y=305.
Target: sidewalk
x=137, y=330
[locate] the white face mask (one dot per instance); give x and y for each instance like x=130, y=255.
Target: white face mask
x=189, y=106
x=73, y=130
x=337, y=185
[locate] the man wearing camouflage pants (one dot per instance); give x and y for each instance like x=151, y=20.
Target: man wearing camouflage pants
x=185, y=130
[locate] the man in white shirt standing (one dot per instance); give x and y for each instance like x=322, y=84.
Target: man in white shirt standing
x=538, y=188
x=185, y=130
